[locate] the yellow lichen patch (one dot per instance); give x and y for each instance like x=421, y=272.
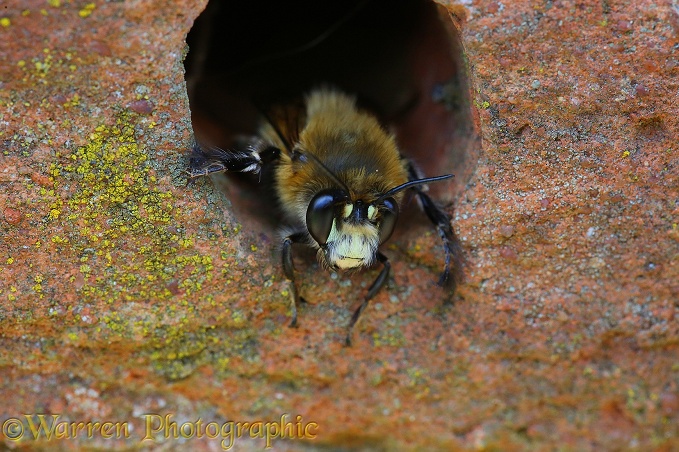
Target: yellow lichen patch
x=87, y=10
x=178, y=353
x=5, y=22
x=73, y=102
x=122, y=232
x=131, y=271
x=42, y=73
x=391, y=338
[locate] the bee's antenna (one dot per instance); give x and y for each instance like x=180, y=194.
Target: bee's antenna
x=303, y=155
x=332, y=175
x=412, y=183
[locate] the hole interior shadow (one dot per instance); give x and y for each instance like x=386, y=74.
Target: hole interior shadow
x=403, y=61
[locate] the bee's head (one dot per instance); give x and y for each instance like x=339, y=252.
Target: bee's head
x=348, y=231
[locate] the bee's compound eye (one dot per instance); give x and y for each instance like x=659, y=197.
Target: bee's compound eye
x=322, y=210
x=389, y=210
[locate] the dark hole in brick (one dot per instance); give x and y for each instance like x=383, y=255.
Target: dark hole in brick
x=403, y=60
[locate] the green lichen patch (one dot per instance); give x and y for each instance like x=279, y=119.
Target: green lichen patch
x=177, y=353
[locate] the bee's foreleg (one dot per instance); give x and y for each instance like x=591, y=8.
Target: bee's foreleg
x=289, y=271
x=248, y=157
x=452, y=271
x=372, y=291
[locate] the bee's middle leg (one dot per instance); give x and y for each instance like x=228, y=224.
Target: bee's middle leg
x=289, y=271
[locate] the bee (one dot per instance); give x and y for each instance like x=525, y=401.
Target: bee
x=340, y=182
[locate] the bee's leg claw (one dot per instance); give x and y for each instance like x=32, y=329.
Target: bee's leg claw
x=347, y=341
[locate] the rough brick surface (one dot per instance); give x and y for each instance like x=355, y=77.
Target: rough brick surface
x=124, y=292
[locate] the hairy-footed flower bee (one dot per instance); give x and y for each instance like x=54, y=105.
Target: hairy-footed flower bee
x=340, y=181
